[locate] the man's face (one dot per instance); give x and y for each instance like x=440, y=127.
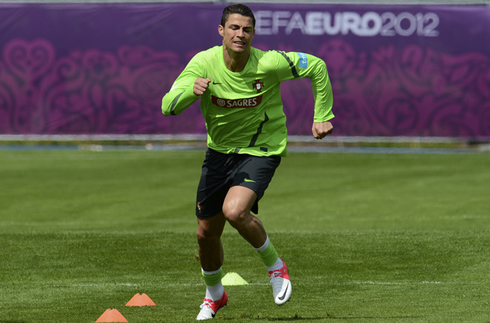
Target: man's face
x=237, y=33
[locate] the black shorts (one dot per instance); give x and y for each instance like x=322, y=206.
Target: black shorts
x=222, y=171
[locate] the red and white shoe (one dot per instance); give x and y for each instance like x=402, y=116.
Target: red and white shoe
x=209, y=308
x=281, y=285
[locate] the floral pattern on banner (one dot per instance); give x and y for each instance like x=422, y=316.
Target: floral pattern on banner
x=91, y=92
x=390, y=91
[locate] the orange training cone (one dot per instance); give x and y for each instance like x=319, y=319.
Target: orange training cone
x=140, y=300
x=111, y=316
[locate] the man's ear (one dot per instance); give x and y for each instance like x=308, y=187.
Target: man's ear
x=220, y=30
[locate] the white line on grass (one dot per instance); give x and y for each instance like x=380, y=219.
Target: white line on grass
x=266, y=284
x=413, y=283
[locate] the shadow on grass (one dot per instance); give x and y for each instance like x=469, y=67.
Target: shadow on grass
x=299, y=318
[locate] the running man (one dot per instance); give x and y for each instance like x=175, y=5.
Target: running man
x=239, y=88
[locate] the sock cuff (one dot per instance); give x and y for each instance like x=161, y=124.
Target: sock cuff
x=209, y=273
x=212, y=278
x=264, y=246
x=269, y=255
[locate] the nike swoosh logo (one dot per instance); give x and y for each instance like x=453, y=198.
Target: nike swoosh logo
x=249, y=180
x=284, y=295
x=216, y=83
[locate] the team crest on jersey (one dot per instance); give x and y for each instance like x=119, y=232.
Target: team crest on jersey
x=258, y=85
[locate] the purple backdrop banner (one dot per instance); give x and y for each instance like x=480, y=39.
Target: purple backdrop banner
x=103, y=68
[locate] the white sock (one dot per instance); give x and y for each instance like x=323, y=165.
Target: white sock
x=214, y=292
x=276, y=266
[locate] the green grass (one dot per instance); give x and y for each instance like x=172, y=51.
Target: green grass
x=367, y=237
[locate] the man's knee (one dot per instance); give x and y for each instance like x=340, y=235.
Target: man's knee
x=237, y=205
x=235, y=214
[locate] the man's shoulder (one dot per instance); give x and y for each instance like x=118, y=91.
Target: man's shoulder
x=202, y=59
x=208, y=54
x=266, y=57
x=264, y=53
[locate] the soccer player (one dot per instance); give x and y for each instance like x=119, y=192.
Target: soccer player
x=239, y=89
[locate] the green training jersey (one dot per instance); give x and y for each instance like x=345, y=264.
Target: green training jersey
x=243, y=111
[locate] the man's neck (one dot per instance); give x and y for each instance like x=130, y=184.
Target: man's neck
x=235, y=62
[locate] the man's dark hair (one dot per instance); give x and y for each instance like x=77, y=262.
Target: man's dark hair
x=240, y=9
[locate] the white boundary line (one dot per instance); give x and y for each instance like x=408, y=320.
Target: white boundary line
x=201, y=137
x=115, y=137
x=186, y=141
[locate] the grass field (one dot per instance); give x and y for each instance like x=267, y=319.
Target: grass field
x=367, y=237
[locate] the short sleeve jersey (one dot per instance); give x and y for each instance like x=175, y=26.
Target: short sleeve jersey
x=244, y=111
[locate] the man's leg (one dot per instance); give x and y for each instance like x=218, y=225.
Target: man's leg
x=211, y=256
x=236, y=209
x=209, y=240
